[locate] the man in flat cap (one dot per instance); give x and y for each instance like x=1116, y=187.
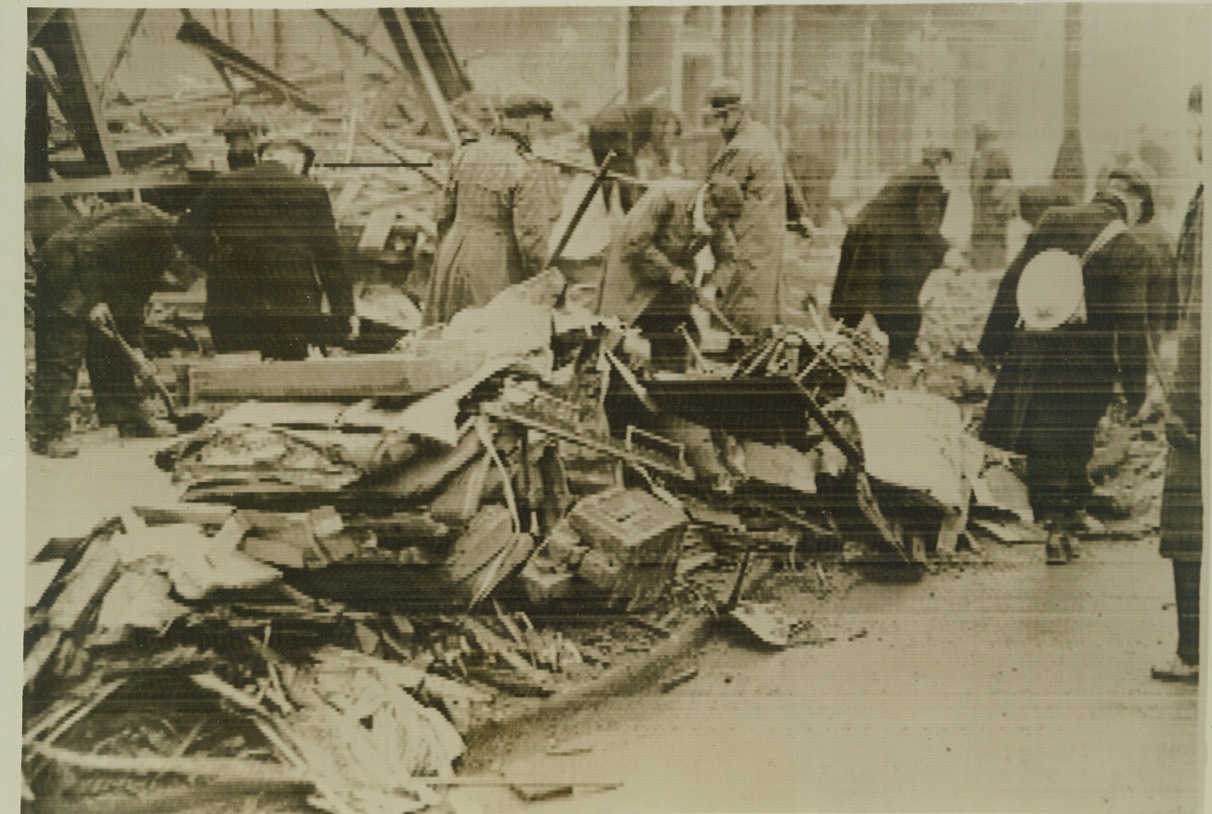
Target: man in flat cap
x=495, y=215
x=649, y=276
x=1059, y=365
x=268, y=241
x=751, y=291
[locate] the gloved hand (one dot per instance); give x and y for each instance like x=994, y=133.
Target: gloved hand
x=680, y=279
x=355, y=327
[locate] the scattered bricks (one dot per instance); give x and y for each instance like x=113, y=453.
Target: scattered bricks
x=545, y=580
x=564, y=546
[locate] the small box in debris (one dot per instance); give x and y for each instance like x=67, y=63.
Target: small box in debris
x=631, y=525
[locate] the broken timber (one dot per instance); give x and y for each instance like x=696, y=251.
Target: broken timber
x=195, y=34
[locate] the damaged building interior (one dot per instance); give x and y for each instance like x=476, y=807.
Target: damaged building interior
x=420, y=537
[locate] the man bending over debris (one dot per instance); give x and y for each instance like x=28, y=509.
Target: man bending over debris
x=495, y=215
x=268, y=241
x=95, y=277
x=649, y=276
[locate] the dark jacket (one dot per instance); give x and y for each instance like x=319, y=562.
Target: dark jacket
x=1182, y=514
x=494, y=220
x=753, y=291
x=1073, y=368
x=657, y=238
x=888, y=252
x=268, y=241
x=115, y=256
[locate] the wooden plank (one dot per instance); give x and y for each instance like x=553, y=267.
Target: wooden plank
x=103, y=184
x=120, y=55
x=412, y=55
x=186, y=513
x=338, y=377
x=60, y=38
x=209, y=767
x=86, y=584
x=404, y=154
x=377, y=228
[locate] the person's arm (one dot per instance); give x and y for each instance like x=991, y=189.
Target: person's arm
x=194, y=231
x=1131, y=324
x=326, y=253
x=536, y=208
x=650, y=215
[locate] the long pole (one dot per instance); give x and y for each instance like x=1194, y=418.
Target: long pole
x=582, y=208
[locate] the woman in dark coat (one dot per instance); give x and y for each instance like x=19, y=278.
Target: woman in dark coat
x=1055, y=385
x=888, y=253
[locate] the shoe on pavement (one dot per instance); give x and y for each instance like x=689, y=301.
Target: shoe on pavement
x=1073, y=549
x=54, y=447
x=1054, y=551
x=1177, y=671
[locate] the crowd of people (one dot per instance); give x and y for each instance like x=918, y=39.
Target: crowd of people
x=1079, y=313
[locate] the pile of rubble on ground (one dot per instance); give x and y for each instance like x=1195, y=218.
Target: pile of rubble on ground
x=376, y=553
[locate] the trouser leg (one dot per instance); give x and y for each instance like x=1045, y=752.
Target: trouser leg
x=112, y=375
x=59, y=343
x=1186, y=598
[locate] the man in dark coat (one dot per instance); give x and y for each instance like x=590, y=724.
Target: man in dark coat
x=495, y=215
x=990, y=175
x=887, y=254
x=649, y=275
x=629, y=130
x=95, y=275
x=1182, y=516
x=267, y=239
x=1054, y=385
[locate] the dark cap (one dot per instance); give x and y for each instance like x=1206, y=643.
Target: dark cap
x=725, y=194
x=520, y=105
x=309, y=155
x=1138, y=184
x=724, y=93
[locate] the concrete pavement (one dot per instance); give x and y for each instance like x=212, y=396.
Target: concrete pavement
x=1006, y=687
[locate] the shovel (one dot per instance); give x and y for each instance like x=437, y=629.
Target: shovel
x=185, y=423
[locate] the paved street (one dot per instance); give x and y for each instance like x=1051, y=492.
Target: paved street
x=1005, y=687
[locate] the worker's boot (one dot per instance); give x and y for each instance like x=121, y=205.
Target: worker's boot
x=145, y=426
x=1177, y=671
x=1073, y=549
x=1054, y=548
x=54, y=447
